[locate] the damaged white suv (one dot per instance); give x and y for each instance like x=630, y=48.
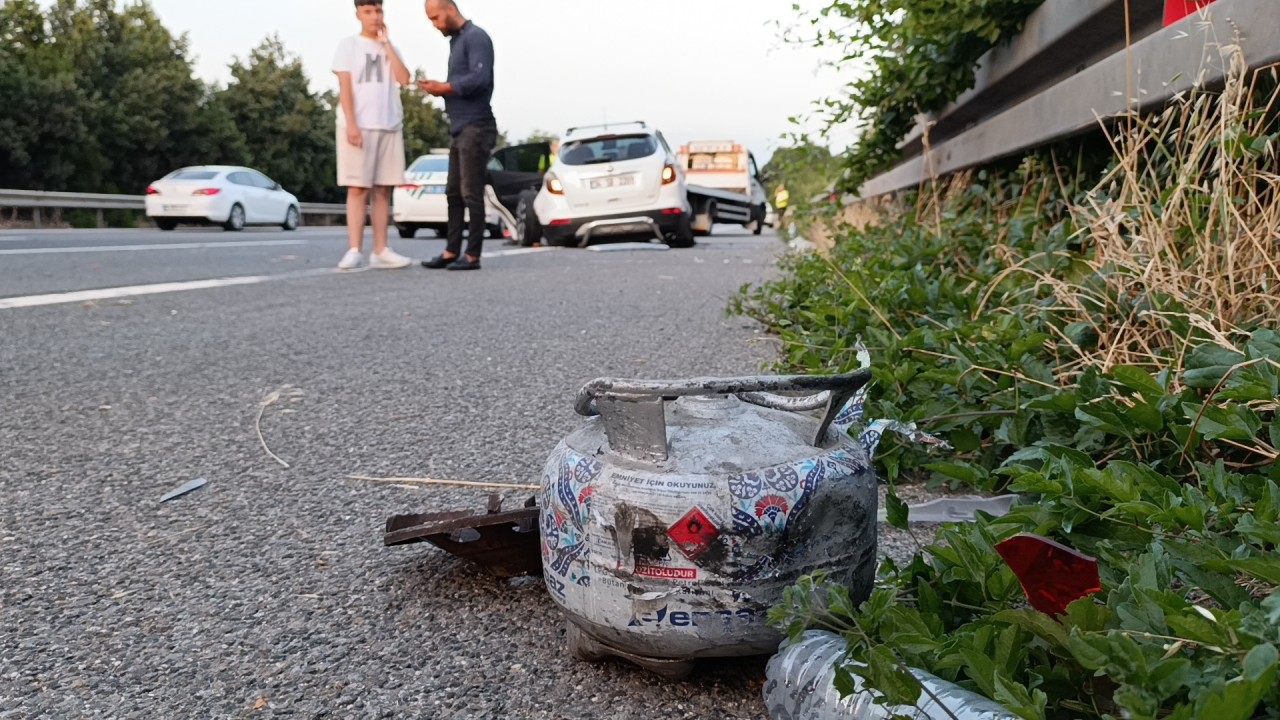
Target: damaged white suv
x=609, y=181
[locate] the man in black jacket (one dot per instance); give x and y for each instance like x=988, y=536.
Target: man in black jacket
x=467, y=94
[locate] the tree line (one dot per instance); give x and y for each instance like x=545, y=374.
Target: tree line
x=95, y=98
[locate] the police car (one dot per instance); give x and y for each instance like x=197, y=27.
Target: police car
x=420, y=203
x=609, y=181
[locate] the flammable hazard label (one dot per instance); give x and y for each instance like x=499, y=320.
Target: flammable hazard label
x=694, y=534
x=666, y=573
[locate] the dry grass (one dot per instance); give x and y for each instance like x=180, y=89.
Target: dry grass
x=1184, y=232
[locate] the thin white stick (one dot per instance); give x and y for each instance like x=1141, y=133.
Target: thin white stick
x=269, y=401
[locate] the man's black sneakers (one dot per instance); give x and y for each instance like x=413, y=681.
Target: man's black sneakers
x=438, y=262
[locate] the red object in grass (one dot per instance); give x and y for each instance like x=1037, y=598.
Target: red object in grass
x=1052, y=575
x=1175, y=10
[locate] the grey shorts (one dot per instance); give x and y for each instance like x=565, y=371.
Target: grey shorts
x=379, y=163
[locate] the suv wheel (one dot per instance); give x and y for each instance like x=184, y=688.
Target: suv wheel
x=527, y=225
x=683, y=235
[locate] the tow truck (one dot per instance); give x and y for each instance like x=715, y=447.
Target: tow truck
x=724, y=166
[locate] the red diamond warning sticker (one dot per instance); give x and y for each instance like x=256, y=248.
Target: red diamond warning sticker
x=694, y=534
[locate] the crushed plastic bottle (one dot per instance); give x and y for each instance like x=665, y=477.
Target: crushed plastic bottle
x=801, y=686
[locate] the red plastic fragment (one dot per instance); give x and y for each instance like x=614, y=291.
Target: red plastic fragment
x=1175, y=10
x=1052, y=575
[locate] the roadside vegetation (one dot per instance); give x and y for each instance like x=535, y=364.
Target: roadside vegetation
x=1093, y=327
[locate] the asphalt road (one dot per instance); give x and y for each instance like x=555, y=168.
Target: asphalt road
x=268, y=591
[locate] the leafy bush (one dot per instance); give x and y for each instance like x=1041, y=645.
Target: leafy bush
x=1107, y=350
x=913, y=288
x=918, y=55
x=989, y=296
x=1188, y=623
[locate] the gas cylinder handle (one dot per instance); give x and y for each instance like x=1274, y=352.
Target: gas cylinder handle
x=789, y=403
x=835, y=391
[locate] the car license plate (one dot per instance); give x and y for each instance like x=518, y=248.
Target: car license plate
x=427, y=190
x=174, y=208
x=602, y=183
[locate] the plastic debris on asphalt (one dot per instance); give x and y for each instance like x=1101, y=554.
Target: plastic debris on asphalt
x=801, y=245
x=798, y=243
x=193, y=485
x=955, y=509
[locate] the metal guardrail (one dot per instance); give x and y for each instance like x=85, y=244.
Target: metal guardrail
x=323, y=208
x=37, y=201
x=1164, y=62
x=1061, y=38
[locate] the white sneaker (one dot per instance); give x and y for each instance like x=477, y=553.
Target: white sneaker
x=388, y=260
x=352, y=260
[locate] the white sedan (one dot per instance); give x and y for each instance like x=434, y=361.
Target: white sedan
x=232, y=197
x=420, y=203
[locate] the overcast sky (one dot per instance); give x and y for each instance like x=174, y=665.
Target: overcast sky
x=696, y=69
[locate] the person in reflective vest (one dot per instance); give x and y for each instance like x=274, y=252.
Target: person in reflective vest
x=780, y=200
x=545, y=162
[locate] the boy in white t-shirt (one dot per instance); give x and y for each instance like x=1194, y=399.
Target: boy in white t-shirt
x=370, y=133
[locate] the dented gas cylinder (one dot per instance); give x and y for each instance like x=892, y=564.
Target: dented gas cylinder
x=677, y=515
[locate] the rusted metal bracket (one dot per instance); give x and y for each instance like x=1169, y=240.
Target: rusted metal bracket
x=504, y=543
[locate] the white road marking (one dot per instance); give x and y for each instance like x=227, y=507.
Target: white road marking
x=622, y=247
x=517, y=251
x=81, y=296
x=136, y=248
